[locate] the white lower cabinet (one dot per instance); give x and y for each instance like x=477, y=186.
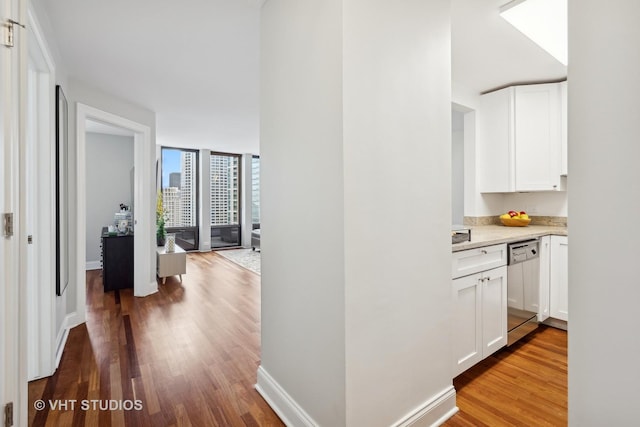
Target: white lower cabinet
x=559, y=278
x=479, y=317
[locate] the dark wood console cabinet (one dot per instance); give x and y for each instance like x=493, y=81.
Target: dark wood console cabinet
x=117, y=261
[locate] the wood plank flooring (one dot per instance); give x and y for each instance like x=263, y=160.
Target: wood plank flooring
x=190, y=353
x=523, y=385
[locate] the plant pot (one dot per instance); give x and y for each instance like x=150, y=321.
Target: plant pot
x=160, y=241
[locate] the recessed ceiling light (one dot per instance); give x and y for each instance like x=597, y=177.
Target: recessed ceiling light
x=543, y=21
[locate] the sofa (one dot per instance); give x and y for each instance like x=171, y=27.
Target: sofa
x=255, y=239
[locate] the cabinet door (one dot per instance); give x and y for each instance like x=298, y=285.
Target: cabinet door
x=494, y=310
x=559, y=278
x=545, y=253
x=495, y=142
x=537, y=137
x=467, y=318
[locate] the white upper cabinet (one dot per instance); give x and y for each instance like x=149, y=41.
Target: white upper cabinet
x=564, y=160
x=519, y=143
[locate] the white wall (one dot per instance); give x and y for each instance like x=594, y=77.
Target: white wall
x=109, y=164
x=355, y=142
x=302, y=223
x=397, y=169
x=604, y=66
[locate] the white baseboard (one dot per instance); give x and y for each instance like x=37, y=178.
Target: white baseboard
x=63, y=334
x=284, y=405
x=556, y=323
x=150, y=288
x=74, y=319
x=93, y=265
x=433, y=412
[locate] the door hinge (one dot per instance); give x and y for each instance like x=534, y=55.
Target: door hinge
x=8, y=414
x=7, y=39
x=7, y=227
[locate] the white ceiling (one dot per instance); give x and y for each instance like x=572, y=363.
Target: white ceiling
x=195, y=63
x=488, y=53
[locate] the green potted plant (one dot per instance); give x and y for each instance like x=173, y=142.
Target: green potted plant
x=161, y=231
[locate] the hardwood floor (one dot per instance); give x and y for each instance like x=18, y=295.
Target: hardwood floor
x=523, y=385
x=187, y=355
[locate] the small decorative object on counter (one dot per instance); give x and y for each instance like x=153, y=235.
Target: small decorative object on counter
x=170, y=245
x=460, y=233
x=515, y=219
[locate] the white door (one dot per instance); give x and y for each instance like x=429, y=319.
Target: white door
x=12, y=372
x=37, y=207
x=467, y=326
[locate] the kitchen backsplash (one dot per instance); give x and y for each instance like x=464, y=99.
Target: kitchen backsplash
x=560, y=221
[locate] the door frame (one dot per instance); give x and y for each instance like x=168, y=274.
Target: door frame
x=144, y=238
x=41, y=325
x=13, y=66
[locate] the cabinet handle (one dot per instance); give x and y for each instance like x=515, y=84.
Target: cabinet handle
x=484, y=251
x=488, y=278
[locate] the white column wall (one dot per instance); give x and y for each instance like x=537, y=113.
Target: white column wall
x=204, y=214
x=397, y=169
x=302, y=237
x=356, y=286
x=604, y=65
x=245, y=194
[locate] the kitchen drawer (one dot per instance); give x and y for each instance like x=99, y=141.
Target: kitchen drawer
x=476, y=260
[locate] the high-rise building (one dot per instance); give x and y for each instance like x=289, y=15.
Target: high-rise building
x=225, y=207
x=174, y=179
x=188, y=188
x=172, y=206
x=255, y=190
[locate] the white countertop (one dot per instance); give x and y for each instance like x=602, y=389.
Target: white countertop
x=485, y=235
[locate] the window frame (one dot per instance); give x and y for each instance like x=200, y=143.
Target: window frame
x=181, y=232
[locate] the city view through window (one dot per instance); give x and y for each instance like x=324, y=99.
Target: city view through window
x=225, y=189
x=255, y=190
x=179, y=181
x=180, y=196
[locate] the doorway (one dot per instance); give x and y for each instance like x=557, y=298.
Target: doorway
x=143, y=198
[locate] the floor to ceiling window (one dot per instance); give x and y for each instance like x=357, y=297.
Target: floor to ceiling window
x=180, y=195
x=225, y=200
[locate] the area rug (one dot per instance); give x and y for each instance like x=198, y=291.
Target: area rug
x=246, y=258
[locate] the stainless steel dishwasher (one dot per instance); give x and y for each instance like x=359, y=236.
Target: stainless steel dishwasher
x=523, y=289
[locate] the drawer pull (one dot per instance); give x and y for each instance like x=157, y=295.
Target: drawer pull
x=484, y=251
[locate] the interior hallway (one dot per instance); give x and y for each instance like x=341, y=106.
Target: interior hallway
x=190, y=353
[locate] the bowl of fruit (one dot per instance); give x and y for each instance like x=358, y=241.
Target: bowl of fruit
x=515, y=219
